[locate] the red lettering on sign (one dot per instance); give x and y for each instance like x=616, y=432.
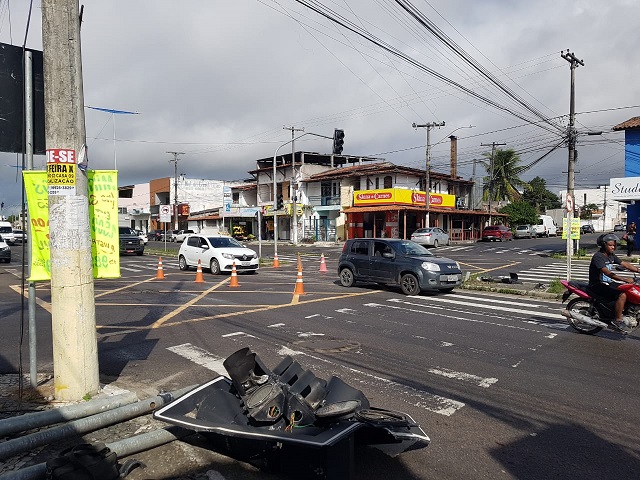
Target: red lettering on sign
x=435, y=200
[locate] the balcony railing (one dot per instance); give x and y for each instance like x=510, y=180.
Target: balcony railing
x=324, y=200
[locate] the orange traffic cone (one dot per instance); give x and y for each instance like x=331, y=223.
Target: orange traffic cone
x=160, y=272
x=199, y=277
x=299, y=290
x=276, y=262
x=323, y=266
x=234, y=277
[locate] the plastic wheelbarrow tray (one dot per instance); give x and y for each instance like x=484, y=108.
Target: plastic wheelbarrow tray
x=289, y=406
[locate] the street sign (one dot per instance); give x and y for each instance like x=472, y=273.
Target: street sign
x=165, y=213
x=569, y=202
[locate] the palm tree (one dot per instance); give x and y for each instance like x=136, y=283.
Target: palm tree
x=503, y=182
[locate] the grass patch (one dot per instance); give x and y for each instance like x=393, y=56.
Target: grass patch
x=555, y=287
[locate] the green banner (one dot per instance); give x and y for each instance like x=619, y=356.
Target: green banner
x=103, y=221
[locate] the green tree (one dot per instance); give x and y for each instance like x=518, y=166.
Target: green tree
x=586, y=212
x=503, y=181
x=520, y=212
x=538, y=195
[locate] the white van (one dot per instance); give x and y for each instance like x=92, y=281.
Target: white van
x=546, y=227
x=6, y=232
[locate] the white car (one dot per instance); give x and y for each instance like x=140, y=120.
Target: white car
x=218, y=253
x=433, y=236
x=181, y=235
x=143, y=236
x=5, y=251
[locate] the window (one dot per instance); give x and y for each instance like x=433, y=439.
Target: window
x=377, y=183
x=388, y=181
x=360, y=247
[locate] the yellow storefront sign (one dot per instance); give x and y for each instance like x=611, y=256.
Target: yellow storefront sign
x=402, y=196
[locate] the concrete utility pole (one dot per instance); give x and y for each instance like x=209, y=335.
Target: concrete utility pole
x=175, y=160
x=293, y=189
x=493, y=146
x=75, y=349
x=571, y=142
x=427, y=182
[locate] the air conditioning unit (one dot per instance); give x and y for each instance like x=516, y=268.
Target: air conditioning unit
x=461, y=203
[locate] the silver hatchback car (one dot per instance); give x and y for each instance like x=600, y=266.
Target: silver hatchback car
x=524, y=231
x=432, y=236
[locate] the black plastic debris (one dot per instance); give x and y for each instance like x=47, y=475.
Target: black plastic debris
x=265, y=416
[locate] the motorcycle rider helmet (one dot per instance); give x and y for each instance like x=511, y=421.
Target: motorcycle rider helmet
x=609, y=237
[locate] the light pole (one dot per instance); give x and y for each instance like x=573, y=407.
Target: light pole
x=275, y=186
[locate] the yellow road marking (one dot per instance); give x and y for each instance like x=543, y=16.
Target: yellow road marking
x=42, y=303
x=180, y=309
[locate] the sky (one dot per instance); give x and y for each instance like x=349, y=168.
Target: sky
x=220, y=81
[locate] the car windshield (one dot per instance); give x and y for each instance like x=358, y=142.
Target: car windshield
x=522, y=227
x=492, y=228
x=411, y=248
x=223, y=242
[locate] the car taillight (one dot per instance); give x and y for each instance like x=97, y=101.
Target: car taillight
x=344, y=247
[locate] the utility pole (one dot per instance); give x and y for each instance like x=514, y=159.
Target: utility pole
x=175, y=186
x=493, y=146
x=73, y=316
x=427, y=182
x=294, y=189
x=571, y=142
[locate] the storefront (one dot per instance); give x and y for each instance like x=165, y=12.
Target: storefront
x=397, y=213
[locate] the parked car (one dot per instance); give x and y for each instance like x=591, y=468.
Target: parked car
x=143, y=236
x=498, y=233
x=6, y=230
x=180, y=235
x=19, y=236
x=587, y=229
x=5, y=251
x=398, y=262
x=130, y=241
x=524, y=231
x=546, y=226
x=433, y=236
x=156, y=235
x=168, y=235
x=619, y=228
x=218, y=253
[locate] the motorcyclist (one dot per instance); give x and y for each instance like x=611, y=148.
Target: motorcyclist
x=602, y=278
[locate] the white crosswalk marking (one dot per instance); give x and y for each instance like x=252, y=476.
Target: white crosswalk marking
x=546, y=273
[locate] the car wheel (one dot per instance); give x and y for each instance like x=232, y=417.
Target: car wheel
x=435, y=243
x=215, y=267
x=409, y=284
x=140, y=253
x=182, y=263
x=448, y=241
x=347, y=278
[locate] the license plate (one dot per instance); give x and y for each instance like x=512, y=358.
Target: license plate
x=452, y=278
x=245, y=264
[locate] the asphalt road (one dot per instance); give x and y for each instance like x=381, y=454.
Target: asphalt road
x=501, y=384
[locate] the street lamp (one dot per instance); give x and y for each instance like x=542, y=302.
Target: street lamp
x=275, y=186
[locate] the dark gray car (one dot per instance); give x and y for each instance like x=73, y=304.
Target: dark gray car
x=397, y=262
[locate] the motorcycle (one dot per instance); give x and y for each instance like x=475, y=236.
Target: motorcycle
x=589, y=314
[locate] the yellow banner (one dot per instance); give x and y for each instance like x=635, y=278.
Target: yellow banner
x=103, y=221
x=35, y=186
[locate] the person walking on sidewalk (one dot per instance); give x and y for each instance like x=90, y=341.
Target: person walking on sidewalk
x=631, y=238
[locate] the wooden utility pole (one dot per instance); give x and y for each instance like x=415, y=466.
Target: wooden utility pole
x=75, y=349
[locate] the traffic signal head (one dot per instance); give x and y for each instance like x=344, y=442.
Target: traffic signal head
x=338, y=141
x=279, y=203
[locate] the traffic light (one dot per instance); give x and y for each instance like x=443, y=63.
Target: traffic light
x=338, y=141
x=279, y=203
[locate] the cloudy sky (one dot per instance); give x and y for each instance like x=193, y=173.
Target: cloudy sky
x=218, y=80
